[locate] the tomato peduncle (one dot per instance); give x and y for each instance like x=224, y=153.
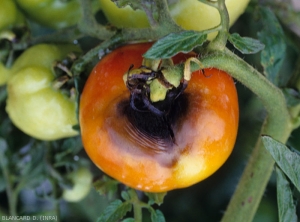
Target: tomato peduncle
x=155, y=85
x=158, y=80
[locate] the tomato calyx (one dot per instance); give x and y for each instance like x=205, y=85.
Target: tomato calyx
x=142, y=82
x=156, y=98
x=64, y=80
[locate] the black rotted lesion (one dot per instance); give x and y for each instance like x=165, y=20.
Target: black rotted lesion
x=155, y=120
x=151, y=124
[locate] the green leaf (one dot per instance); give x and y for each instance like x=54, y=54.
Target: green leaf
x=125, y=195
x=273, y=54
x=115, y=211
x=292, y=96
x=66, y=150
x=29, y=166
x=286, y=205
x=106, y=186
x=245, y=45
x=156, y=198
x=174, y=43
x=287, y=160
x=157, y=216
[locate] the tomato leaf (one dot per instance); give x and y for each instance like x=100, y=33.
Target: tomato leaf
x=156, y=198
x=125, y=195
x=287, y=160
x=292, y=96
x=66, y=150
x=106, y=186
x=174, y=43
x=115, y=211
x=273, y=54
x=157, y=216
x=286, y=205
x=245, y=45
x=29, y=166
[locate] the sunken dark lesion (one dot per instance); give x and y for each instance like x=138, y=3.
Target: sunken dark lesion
x=156, y=105
x=159, y=127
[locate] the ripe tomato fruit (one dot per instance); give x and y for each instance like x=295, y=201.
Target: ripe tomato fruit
x=204, y=126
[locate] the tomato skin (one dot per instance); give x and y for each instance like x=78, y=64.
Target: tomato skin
x=204, y=136
x=124, y=17
x=189, y=14
x=53, y=13
x=82, y=183
x=195, y=15
x=33, y=104
x=9, y=15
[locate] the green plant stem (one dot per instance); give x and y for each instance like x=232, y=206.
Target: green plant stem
x=89, y=25
x=253, y=182
x=61, y=36
x=56, y=202
x=137, y=213
x=164, y=17
x=10, y=192
x=54, y=177
x=12, y=198
x=219, y=43
x=124, y=36
x=79, y=66
x=137, y=205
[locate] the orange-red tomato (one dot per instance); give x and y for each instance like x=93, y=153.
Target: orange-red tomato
x=204, y=132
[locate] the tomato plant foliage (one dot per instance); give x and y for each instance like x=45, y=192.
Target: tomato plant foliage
x=274, y=53
x=175, y=43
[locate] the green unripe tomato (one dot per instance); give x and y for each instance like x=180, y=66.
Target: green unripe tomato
x=124, y=17
x=82, y=183
x=195, y=15
x=33, y=104
x=9, y=14
x=189, y=14
x=53, y=13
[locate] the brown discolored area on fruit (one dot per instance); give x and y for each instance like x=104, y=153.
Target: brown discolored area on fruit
x=157, y=128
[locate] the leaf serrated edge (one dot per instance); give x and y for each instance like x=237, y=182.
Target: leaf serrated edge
x=159, y=52
x=286, y=205
x=115, y=211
